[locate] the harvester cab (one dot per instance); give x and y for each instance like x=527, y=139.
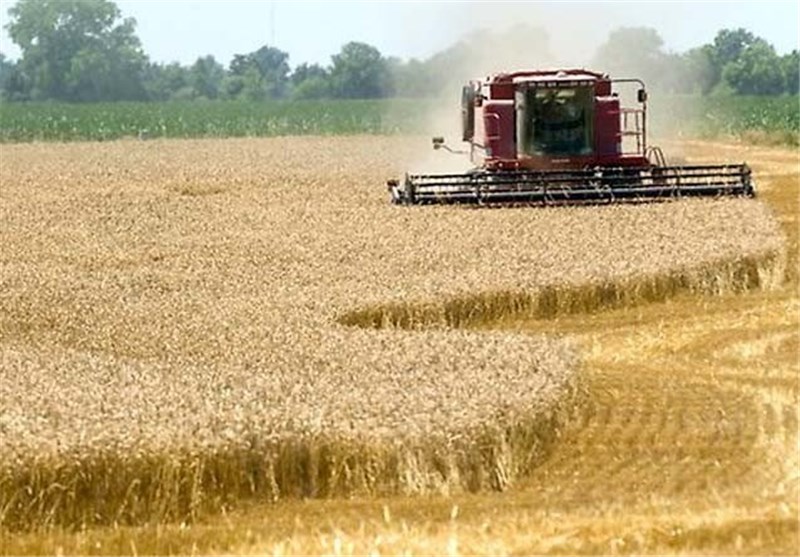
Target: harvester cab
x=562, y=137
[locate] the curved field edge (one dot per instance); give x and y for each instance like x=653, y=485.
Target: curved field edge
x=719, y=277
x=110, y=489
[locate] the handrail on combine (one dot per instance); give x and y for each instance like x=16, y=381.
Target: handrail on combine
x=640, y=131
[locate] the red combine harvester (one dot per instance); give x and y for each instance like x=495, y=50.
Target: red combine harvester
x=562, y=138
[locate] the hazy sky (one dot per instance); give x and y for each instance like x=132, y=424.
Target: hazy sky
x=182, y=30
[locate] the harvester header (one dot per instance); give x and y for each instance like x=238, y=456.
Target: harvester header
x=562, y=137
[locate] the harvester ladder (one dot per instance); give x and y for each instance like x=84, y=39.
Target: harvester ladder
x=638, y=127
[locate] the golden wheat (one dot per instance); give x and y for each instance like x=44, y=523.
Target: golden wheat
x=176, y=323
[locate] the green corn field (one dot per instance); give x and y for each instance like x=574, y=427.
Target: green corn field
x=765, y=119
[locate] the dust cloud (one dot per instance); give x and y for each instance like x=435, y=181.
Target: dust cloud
x=504, y=37
x=496, y=37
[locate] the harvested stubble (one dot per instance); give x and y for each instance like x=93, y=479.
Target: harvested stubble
x=175, y=322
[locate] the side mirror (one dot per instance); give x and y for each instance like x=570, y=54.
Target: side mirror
x=641, y=95
x=468, y=95
x=438, y=142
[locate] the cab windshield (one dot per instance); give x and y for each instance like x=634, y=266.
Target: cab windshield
x=555, y=121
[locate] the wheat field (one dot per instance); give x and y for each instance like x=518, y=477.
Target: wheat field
x=200, y=326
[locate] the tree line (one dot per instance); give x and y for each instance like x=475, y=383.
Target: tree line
x=85, y=51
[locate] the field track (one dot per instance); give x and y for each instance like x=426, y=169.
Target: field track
x=685, y=442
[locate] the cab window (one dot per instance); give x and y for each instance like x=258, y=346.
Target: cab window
x=557, y=121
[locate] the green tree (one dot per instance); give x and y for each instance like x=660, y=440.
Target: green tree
x=305, y=72
x=166, y=81
x=728, y=45
x=634, y=52
x=77, y=50
x=7, y=71
x=310, y=81
x=263, y=73
x=206, y=76
x=232, y=86
x=273, y=65
x=14, y=85
x=245, y=82
x=697, y=74
x=359, y=71
x=313, y=88
x=254, y=86
x=756, y=70
x=791, y=71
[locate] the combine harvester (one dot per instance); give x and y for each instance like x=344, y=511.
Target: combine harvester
x=562, y=138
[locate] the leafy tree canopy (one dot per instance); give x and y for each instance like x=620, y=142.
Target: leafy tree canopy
x=77, y=49
x=84, y=50
x=263, y=73
x=791, y=71
x=359, y=71
x=755, y=71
